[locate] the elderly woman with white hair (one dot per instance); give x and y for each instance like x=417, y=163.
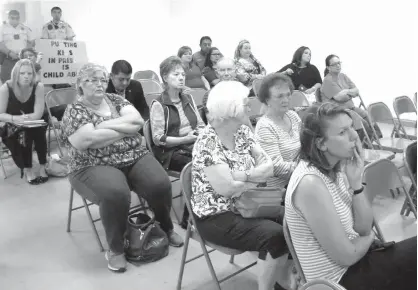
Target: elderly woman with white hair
x=107, y=160
x=227, y=161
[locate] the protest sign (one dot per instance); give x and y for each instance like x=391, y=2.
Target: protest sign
x=61, y=60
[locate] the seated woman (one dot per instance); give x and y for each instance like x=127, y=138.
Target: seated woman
x=107, y=160
x=328, y=213
x=22, y=99
x=194, y=78
x=248, y=67
x=278, y=130
x=175, y=120
x=304, y=75
x=227, y=161
x=209, y=72
x=338, y=88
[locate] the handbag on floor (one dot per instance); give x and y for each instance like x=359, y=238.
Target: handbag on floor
x=261, y=202
x=145, y=240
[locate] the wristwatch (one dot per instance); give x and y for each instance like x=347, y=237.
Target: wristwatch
x=247, y=174
x=358, y=191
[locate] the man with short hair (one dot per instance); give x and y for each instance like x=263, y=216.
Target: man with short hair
x=200, y=56
x=14, y=36
x=121, y=83
x=56, y=28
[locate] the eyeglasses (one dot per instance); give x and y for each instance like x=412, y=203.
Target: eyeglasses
x=216, y=54
x=224, y=70
x=336, y=63
x=97, y=81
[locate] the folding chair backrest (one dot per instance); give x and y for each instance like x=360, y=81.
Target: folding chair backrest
x=151, y=86
x=410, y=161
x=148, y=135
x=255, y=106
x=292, y=250
x=381, y=176
x=146, y=75
x=151, y=97
x=358, y=125
x=60, y=97
x=379, y=113
x=256, y=86
x=186, y=183
x=415, y=99
x=402, y=105
x=197, y=95
x=298, y=99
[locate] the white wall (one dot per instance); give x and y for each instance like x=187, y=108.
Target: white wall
x=376, y=40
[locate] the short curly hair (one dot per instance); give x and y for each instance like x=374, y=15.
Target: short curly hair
x=270, y=81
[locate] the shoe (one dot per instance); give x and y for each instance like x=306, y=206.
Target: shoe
x=174, y=239
x=116, y=262
x=34, y=181
x=43, y=179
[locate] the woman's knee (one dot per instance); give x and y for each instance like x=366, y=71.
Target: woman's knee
x=159, y=188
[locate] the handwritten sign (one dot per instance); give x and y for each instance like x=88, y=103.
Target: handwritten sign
x=61, y=60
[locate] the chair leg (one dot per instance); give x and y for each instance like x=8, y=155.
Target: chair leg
x=70, y=210
x=411, y=203
x=49, y=140
x=58, y=142
x=183, y=257
x=209, y=263
x=231, y=260
x=92, y=225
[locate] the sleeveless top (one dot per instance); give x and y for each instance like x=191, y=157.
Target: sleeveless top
x=16, y=107
x=314, y=260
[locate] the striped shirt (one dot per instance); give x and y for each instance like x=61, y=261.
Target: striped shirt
x=314, y=260
x=282, y=146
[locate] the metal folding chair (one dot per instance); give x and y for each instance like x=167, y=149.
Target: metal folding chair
x=256, y=109
x=193, y=232
x=298, y=99
x=92, y=221
x=322, y=284
x=415, y=99
x=150, y=86
x=402, y=105
x=197, y=95
x=151, y=97
x=173, y=174
x=2, y=150
x=256, y=86
x=380, y=113
x=56, y=98
x=382, y=177
x=146, y=75
x=410, y=161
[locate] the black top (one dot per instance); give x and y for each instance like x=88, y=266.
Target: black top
x=16, y=107
x=307, y=76
x=135, y=95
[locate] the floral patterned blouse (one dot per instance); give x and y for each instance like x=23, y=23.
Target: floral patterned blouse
x=209, y=150
x=249, y=69
x=121, y=153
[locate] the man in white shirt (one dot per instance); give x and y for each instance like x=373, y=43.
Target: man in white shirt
x=56, y=28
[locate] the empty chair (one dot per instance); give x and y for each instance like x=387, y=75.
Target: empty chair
x=146, y=75
x=197, y=95
x=381, y=177
x=56, y=98
x=298, y=99
x=193, y=232
x=404, y=105
x=379, y=113
x=410, y=161
x=151, y=86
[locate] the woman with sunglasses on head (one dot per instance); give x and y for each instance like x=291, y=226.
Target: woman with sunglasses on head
x=209, y=72
x=329, y=215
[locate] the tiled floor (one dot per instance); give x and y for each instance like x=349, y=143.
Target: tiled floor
x=37, y=253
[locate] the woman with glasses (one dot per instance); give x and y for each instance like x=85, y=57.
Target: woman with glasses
x=248, y=67
x=329, y=216
x=209, y=72
x=304, y=75
x=194, y=77
x=107, y=161
x=338, y=88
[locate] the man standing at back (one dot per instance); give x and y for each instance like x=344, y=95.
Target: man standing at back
x=120, y=83
x=56, y=28
x=14, y=36
x=199, y=57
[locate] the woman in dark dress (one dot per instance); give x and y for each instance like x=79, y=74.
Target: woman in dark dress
x=22, y=99
x=304, y=75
